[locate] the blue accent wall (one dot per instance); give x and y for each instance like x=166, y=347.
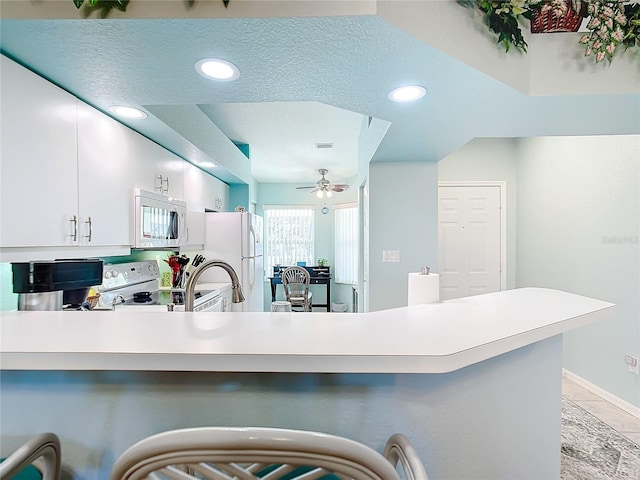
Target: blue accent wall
x=243, y=147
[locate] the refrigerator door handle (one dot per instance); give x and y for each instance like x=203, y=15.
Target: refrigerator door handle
x=252, y=274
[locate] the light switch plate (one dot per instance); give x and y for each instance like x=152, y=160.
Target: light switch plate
x=391, y=256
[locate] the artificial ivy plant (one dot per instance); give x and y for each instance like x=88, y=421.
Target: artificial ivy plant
x=612, y=24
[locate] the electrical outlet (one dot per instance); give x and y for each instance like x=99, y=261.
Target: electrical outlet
x=632, y=363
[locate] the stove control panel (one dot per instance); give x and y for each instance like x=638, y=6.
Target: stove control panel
x=126, y=274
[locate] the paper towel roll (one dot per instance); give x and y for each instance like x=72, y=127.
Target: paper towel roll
x=423, y=288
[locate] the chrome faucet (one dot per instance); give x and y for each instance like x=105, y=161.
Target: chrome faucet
x=117, y=299
x=190, y=289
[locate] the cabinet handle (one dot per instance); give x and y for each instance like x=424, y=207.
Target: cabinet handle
x=88, y=237
x=74, y=235
x=159, y=187
x=167, y=182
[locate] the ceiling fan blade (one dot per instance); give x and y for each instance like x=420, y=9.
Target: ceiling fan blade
x=325, y=185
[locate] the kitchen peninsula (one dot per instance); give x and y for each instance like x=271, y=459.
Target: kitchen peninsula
x=473, y=382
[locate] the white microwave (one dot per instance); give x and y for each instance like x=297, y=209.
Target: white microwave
x=160, y=221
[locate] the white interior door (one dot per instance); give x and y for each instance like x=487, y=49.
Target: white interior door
x=470, y=247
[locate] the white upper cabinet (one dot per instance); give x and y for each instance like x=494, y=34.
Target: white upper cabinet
x=193, y=186
x=68, y=174
x=156, y=169
x=202, y=192
x=216, y=195
x=105, y=184
x=39, y=171
x=64, y=173
x=171, y=167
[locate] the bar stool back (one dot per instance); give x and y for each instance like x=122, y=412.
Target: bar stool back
x=221, y=453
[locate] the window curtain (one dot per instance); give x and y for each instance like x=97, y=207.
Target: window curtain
x=346, y=244
x=289, y=236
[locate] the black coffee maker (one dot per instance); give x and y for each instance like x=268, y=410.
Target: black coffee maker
x=55, y=284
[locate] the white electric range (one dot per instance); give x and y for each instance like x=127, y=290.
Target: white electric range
x=135, y=285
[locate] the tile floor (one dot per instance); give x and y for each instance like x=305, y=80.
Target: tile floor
x=621, y=421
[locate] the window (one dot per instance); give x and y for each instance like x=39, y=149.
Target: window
x=346, y=248
x=288, y=236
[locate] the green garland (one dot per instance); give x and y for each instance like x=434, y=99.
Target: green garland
x=105, y=6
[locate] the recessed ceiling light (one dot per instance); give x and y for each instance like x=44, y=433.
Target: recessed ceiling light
x=407, y=93
x=217, y=69
x=128, y=112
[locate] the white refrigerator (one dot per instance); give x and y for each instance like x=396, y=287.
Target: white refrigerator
x=237, y=238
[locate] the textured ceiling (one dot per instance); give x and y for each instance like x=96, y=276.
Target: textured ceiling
x=303, y=80
x=283, y=136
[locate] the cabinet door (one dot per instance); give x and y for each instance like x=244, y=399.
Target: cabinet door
x=193, y=188
x=38, y=198
x=105, y=185
x=217, y=194
x=156, y=168
x=171, y=170
x=145, y=168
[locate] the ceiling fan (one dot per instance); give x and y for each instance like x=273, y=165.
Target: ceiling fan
x=325, y=187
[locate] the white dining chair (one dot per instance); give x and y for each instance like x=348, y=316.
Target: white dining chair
x=295, y=281
x=250, y=453
x=41, y=451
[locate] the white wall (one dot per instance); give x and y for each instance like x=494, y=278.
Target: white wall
x=489, y=159
x=403, y=216
x=578, y=223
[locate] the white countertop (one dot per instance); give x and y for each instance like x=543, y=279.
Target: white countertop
x=433, y=338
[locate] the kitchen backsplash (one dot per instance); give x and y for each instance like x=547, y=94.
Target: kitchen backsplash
x=8, y=299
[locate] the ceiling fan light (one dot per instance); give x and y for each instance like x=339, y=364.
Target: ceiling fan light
x=329, y=193
x=319, y=194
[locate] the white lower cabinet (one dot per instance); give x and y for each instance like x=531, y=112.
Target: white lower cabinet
x=227, y=295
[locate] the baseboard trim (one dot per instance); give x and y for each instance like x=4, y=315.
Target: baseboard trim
x=609, y=397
